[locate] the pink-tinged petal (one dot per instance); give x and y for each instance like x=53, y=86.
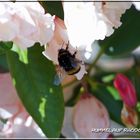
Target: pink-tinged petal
x=21, y=131
x=129, y=116
x=59, y=38
x=52, y=52
x=126, y=90
x=23, y=42
x=90, y=113
x=60, y=33
x=8, y=28
x=108, y=16
x=45, y=29
x=9, y=101
x=36, y=25
x=8, y=31
x=25, y=23
x=12, y=109
x=114, y=10
x=24, y=19
x=10, y=105
x=7, y=91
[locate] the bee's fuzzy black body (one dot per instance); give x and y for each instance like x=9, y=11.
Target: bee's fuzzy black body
x=68, y=61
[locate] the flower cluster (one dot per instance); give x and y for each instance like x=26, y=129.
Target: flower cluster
x=84, y=22
x=25, y=23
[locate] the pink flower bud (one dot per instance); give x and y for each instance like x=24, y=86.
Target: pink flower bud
x=90, y=114
x=126, y=90
x=129, y=116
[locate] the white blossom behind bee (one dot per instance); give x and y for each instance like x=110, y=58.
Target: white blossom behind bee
x=137, y=4
x=90, y=21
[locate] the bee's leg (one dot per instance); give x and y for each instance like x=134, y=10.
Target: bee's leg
x=67, y=46
x=75, y=52
x=80, y=61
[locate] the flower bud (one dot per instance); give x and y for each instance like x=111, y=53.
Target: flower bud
x=126, y=90
x=129, y=116
x=89, y=115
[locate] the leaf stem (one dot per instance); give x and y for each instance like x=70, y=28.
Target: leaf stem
x=68, y=84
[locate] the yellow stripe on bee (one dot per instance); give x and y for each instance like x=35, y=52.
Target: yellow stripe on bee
x=62, y=53
x=73, y=71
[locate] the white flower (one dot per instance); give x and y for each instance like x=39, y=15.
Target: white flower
x=90, y=21
x=85, y=22
x=137, y=4
x=59, y=40
x=79, y=18
x=25, y=23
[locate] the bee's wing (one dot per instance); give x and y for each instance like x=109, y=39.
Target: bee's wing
x=57, y=80
x=59, y=76
x=75, y=62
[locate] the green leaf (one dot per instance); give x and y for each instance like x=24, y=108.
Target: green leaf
x=108, y=78
x=3, y=63
x=54, y=8
x=4, y=46
x=33, y=76
x=134, y=75
x=127, y=37
x=114, y=107
x=113, y=92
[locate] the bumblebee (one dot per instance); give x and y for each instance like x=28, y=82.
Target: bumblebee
x=68, y=64
x=68, y=61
